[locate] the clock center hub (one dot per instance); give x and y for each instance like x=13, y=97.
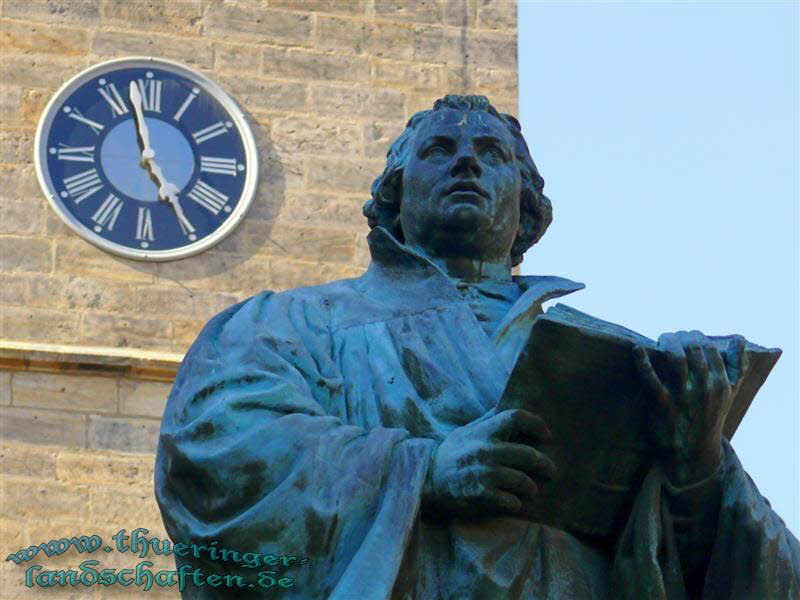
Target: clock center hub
x=120, y=156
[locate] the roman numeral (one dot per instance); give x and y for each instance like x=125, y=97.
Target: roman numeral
x=107, y=214
x=215, y=164
x=76, y=153
x=144, y=225
x=110, y=93
x=209, y=132
x=151, y=94
x=74, y=113
x=82, y=185
x=186, y=104
x=207, y=197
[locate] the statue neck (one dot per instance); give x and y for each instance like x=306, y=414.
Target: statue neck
x=471, y=269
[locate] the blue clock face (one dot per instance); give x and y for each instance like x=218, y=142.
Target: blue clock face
x=146, y=159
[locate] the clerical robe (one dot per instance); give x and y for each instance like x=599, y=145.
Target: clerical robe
x=303, y=423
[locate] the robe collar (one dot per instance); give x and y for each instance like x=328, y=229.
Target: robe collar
x=399, y=266
x=404, y=282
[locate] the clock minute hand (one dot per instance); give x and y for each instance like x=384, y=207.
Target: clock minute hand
x=166, y=190
x=141, y=125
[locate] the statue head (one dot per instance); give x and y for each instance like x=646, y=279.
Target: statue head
x=462, y=172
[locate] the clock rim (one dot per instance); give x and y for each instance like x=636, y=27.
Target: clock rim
x=213, y=88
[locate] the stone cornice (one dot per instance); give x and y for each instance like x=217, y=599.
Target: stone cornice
x=94, y=360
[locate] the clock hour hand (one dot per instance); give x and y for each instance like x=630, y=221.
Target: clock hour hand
x=169, y=192
x=186, y=225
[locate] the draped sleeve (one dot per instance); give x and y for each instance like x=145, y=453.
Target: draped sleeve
x=251, y=457
x=751, y=552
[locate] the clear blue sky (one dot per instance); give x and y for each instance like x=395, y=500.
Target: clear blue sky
x=667, y=133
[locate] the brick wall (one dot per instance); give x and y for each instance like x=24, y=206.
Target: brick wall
x=326, y=85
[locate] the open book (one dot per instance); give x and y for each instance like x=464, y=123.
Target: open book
x=578, y=373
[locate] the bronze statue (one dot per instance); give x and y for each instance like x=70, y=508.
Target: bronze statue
x=363, y=427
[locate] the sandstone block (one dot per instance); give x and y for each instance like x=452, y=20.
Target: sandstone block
x=102, y=294
x=418, y=102
x=51, y=428
x=181, y=18
x=5, y=387
x=389, y=40
x=344, y=175
x=26, y=37
x=104, y=467
x=350, y=7
x=26, y=254
x=127, y=508
x=125, y=435
x=323, y=210
x=237, y=243
x=42, y=71
x=185, y=49
x=55, y=227
x=496, y=81
x=16, y=145
x=32, y=499
x=310, y=243
x=72, y=11
x=68, y=392
x=169, y=300
x=336, y=101
x=379, y=40
x=38, y=325
x=379, y=135
x=29, y=189
x=32, y=106
x=21, y=218
x=442, y=45
x=143, y=398
x=493, y=50
x=78, y=257
x=82, y=293
x=290, y=274
x=506, y=104
x=280, y=171
x=249, y=20
x=298, y=63
x=9, y=179
x=10, y=101
x=186, y=332
x=497, y=14
x=14, y=290
x=13, y=535
x=237, y=58
x=410, y=76
x=24, y=460
x=422, y=11
x=316, y=136
x=334, y=33
x=102, y=329
x=461, y=13
x=263, y=94
x=242, y=275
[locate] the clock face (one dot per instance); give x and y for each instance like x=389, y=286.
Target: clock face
x=146, y=159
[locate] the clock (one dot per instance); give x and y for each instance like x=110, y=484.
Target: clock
x=146, y=158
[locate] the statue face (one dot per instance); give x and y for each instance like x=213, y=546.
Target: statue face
x=461, y=187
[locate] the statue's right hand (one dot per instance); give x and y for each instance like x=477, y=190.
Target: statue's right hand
x=488, y=466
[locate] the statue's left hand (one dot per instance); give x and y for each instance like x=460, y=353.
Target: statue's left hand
x=691, y=401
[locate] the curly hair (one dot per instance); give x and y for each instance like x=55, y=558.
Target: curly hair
x=535, y=214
